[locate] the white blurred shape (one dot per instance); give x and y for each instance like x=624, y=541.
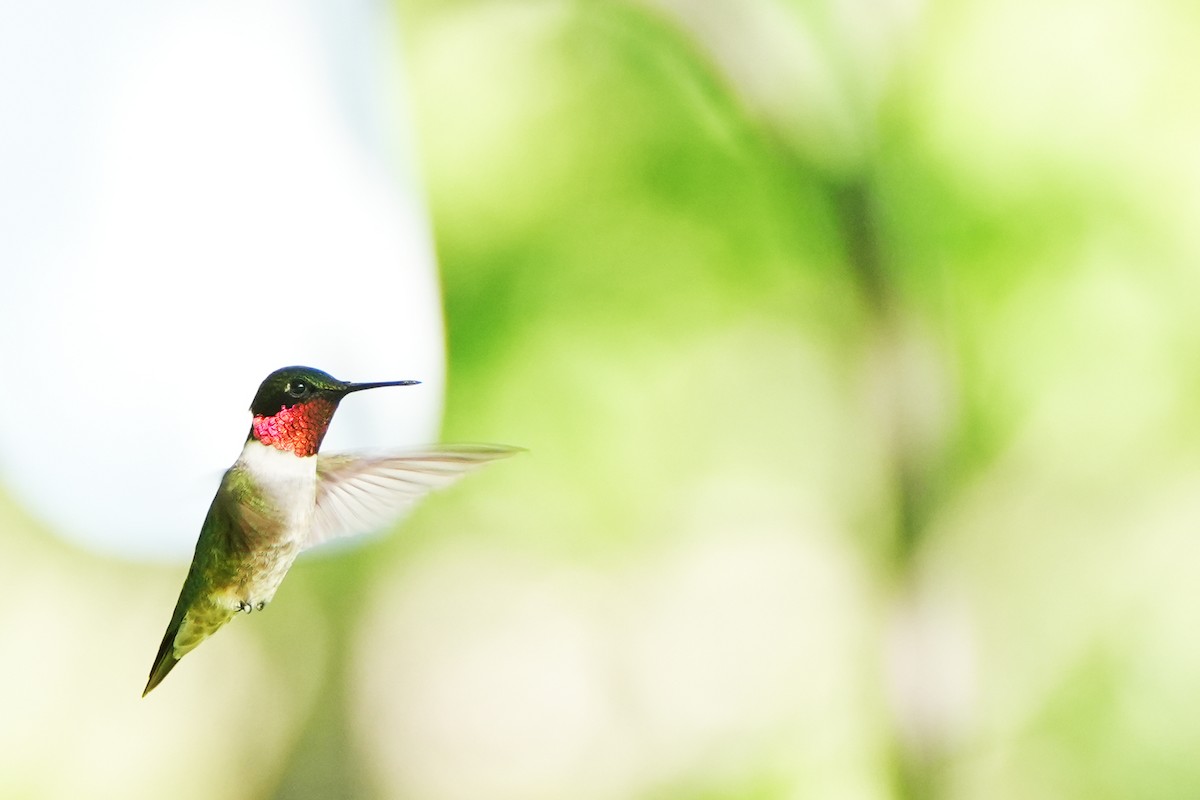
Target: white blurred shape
x=487, y=675
x=482, y=677
x=231, y=211
x=930, y=664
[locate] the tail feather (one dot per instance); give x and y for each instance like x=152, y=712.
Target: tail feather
x=188, y=628
x=164, y=662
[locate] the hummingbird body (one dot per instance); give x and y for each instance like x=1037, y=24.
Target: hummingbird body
x=280, y=497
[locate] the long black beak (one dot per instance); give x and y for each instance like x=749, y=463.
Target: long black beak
x=358, y=387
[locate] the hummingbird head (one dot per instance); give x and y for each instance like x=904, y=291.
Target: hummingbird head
x=294, y=405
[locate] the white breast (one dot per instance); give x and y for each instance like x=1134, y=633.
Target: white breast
x=289, y=483
x=287, y=480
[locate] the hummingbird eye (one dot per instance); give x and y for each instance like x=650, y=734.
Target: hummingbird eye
x=296, y=389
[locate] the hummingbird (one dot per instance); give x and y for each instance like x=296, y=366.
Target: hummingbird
x=282, y=497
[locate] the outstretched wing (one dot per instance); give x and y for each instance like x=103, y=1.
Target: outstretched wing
x=361, y=493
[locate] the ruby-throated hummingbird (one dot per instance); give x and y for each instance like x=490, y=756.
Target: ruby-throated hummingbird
x=280, y=497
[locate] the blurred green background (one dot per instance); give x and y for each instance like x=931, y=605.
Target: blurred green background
x=852, y=345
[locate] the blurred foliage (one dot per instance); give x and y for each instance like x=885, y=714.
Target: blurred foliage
x=851, y=344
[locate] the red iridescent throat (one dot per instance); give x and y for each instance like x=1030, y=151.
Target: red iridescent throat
x=298, y=429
